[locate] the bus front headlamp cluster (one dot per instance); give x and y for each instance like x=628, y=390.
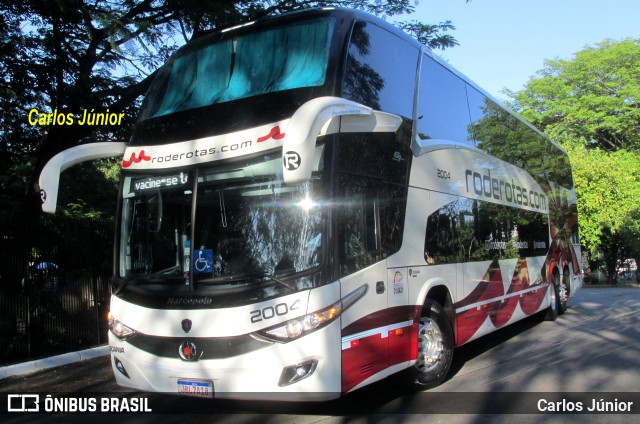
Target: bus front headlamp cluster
x=120, y=330
x=299, y=327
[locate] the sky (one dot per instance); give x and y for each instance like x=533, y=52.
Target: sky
x=502, y=43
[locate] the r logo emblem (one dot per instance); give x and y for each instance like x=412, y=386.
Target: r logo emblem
x=291, y=161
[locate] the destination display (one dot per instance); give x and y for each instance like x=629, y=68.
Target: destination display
x=154, y=183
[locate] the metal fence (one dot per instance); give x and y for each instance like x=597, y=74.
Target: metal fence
x=55, y=275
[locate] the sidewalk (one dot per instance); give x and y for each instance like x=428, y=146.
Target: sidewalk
x=52, y=362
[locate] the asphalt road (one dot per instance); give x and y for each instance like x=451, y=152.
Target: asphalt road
x=592, y=352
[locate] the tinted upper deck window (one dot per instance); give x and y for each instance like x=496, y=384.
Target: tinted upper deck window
x=238, y=67
x=381, y=70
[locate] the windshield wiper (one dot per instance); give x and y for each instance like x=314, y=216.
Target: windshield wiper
x=259, y=276
x=171, y=278
x=174, y=270
x=284, y=284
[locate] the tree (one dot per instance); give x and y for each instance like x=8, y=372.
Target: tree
x=430, y=35
x=590, y=104
x=73, y=55
x=607, y=184
x=595, y=95
x=76, y=55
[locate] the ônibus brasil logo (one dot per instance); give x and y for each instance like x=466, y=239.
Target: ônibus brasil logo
x=199, y=152
x=73, y=404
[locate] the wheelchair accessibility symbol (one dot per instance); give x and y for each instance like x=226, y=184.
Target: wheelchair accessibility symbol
x=203, y=261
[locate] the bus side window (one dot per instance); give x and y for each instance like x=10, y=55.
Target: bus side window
x=443, y=112
x=441, y=242
x=468, y=230
x=451, y=234
x=469, y=243
x=373, y=76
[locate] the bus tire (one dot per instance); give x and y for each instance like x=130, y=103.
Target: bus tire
x=551, y=313
x=435, y=348
x=563, y=292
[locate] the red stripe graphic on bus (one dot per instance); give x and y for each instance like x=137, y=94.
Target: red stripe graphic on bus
x=519, y=282
x=133, y=159
x=274, y=133
x=470, y=320
x=501, y=310
x=378, y=341
x=363, y=359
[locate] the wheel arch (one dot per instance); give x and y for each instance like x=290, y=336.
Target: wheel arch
x=441, y=294
x=438, y=290
x=550, y=267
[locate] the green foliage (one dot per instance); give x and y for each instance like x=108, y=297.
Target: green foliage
x=90, y=189
x=607, y=187
x=15, y=171
x=434, y=36
x=595, y=95
x=75, y=55
x=591, y=105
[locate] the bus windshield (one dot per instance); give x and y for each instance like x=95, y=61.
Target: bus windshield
x=237, y=67
x=248, y=224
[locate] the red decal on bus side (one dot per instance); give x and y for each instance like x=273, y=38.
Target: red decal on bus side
x=530, y=302
x=133, y=159
x=519, y=282
x=469, y=321
x=274, y=133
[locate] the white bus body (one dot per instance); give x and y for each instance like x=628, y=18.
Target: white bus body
x=351, y=209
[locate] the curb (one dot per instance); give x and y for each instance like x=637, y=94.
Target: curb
x=52, y=362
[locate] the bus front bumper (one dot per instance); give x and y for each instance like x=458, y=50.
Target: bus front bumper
x=305, y=369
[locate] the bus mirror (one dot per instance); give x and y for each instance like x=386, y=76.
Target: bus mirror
x=50, y=175
x=320, y=117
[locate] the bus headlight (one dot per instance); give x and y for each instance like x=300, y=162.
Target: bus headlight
x=299, y=327
x=120, y=330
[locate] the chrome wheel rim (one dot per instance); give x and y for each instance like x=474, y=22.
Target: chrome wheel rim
x=563, y=291
x=554, y=298
x=430, y=345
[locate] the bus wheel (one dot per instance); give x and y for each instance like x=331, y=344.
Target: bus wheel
x=435, y=348
x=563, y=292
x=554, y=306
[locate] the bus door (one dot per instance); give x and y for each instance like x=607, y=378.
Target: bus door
x=365, y=342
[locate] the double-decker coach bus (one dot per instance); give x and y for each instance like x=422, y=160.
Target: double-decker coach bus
x=312, y=202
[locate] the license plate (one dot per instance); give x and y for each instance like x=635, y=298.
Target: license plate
x=197, y=388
